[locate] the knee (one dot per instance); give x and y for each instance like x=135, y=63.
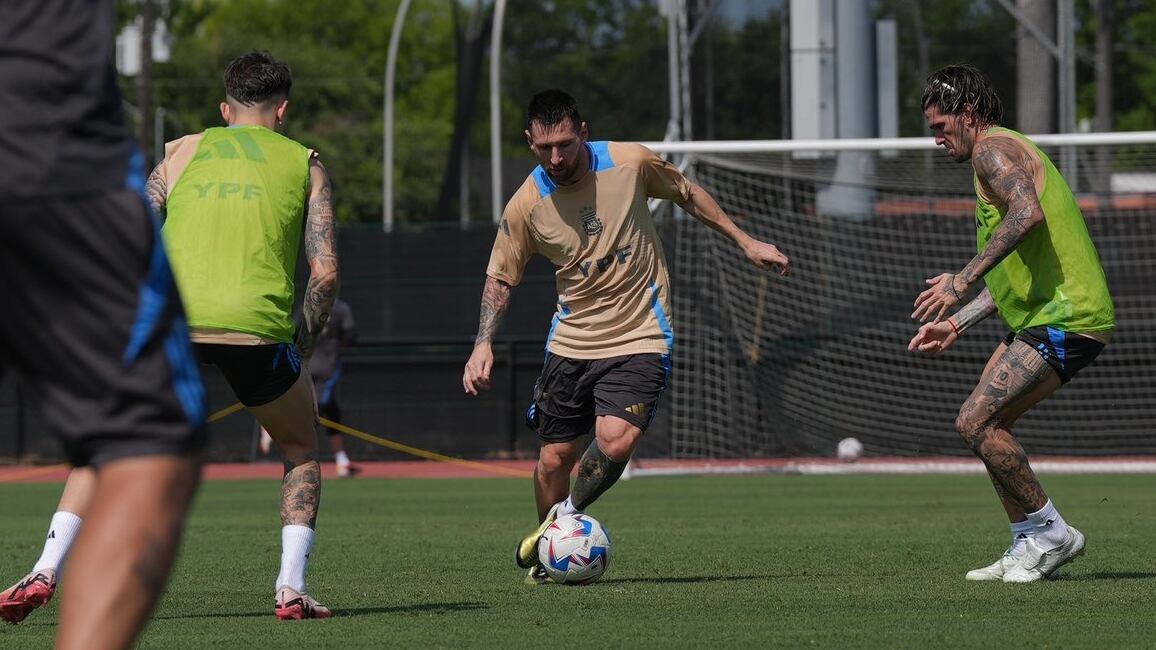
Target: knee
x=971, y=428
x=618, y=448
x=551, y=462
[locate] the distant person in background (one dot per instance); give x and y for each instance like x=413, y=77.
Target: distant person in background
x=1042, y=274
x=93, y=321
x=236, y=200
x=608, y=352
x=325, y=368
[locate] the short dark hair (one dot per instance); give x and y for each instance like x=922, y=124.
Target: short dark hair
x=948, y=89
x=257, y=77
x=551, y=107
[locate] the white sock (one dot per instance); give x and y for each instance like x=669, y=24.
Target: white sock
x=296, y=545
x=566, y=508
x=341, y=458
x=61, y=533
x=1020, y=532
x=1051, y=529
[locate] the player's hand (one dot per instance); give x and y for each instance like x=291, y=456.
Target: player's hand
x=933, y=303
x=477, y=374
x=933, y=339
x=769, y=257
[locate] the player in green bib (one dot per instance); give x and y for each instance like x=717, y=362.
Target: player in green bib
x=1043, y=276
x=238, y=203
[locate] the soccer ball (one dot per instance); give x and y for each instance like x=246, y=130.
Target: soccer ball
x=575, y=550
x=849, y=450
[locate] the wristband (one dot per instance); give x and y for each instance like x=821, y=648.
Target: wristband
x=953, y=326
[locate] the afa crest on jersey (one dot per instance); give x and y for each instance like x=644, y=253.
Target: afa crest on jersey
x=590, y=222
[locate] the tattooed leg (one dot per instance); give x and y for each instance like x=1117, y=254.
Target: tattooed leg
x=596, y=473
x=1018, y=380
x=604, y=460
x=289, y=420
x=301, y=493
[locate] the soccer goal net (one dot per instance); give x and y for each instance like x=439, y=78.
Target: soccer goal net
x=769, y=366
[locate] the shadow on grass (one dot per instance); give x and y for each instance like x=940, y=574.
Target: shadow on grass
x=1110, y=575
x=343, y=612
x=681, y=580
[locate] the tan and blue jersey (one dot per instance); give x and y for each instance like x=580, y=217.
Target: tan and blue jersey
x=613, y=288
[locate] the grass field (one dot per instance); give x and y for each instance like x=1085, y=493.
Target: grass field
x=755, y=561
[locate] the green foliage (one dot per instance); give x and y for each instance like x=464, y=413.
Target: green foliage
x=610, y=55
x=978, y=32
x=1133, y=64
x=338, y=61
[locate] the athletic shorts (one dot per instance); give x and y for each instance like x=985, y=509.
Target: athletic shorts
x=258, y=374
x=1065, y=352
x=92, y=320
x=570, y=393
x=325, y=388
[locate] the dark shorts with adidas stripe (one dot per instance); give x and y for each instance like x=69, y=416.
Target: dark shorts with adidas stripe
x=570, y=393
x=93, y=322
x=1065, y=352
x=258, y=374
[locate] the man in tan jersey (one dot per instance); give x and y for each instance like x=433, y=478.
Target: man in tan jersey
x=608, y=352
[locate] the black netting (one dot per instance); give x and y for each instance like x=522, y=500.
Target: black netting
x=772, y=366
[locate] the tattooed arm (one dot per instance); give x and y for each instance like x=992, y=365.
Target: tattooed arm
x=1004, y=167
x=156, y=188
x=321, y=253
x=495, y=299
x=973, y=312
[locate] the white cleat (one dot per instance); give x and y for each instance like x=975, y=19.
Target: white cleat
x=1036, y=564
x=994, y=571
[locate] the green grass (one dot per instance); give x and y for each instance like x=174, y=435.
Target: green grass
x=760, y=561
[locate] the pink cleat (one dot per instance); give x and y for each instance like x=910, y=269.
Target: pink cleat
x=34, y=590
x=293, y=606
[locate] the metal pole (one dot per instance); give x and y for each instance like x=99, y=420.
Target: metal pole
x=684, y=68
x=159, y=134
x=1066, y=35
x=496, y=111
x=674, y=125
x=387, y=157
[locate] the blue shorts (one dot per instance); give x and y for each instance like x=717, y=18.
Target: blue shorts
x=1067, y=353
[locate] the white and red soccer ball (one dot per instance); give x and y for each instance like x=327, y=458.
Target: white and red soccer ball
x=575, y=550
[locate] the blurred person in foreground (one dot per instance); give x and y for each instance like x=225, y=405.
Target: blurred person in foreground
x=1043, y=276
x=608, y=352
x=93, y=322
x=235, y=201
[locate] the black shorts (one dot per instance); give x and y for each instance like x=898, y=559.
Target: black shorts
x=570, y=393
x=92, y=319
x=258, y=374
x=325, y=388
x=1065, y=352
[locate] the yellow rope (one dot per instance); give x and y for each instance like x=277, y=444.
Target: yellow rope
x=228, y=410
x=336, y=426
x=422, y=453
